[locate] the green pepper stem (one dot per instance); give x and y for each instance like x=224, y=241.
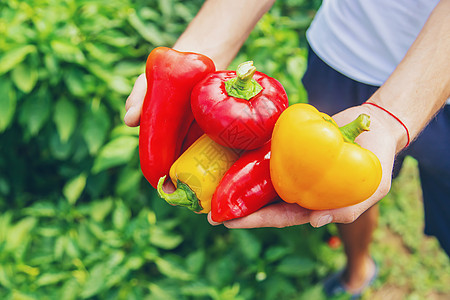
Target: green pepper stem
x=355, y=128
x=243, y=86
x=183, y=195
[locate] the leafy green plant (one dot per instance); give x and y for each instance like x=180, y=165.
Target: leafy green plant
x=77, y=218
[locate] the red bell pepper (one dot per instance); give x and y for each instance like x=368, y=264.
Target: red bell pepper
x=166, y=112
x=238, y=109
x=245, y=187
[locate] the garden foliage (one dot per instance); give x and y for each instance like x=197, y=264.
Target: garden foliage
x=77, y=218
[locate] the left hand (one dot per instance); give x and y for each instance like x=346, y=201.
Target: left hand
x=382, y=139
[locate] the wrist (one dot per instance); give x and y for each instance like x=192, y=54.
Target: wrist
x=392, y=124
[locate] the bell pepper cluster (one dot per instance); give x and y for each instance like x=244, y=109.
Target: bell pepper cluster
x=227, y=143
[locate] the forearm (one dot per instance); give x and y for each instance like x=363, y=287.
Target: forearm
x=420, y=84
x=221, y=27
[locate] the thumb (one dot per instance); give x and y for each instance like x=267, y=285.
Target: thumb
x=134, y=102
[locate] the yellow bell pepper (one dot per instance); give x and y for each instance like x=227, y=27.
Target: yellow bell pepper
x=317, y=164
x=197, y=173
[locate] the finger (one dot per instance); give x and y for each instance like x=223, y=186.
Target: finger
x=211, y=221
x=278, y=215
x=134, y=102
x=343, y=215
x=168, y=187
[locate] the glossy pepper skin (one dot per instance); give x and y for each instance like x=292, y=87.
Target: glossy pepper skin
x=166, y=114
x=196, y=174
x=238, y=109
x=194, y=133
x=317, y=164
x=245, y=187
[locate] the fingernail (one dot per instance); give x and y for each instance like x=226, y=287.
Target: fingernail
x=324, y=220
x=210, y=220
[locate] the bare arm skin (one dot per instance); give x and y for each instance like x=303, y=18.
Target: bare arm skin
x=415, y=92
x=221, y=27
x=218, y=31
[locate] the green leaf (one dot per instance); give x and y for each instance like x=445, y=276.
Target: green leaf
x=5, y=278
x=74, y=187
x=129, y=68
x=120, y=84
x=316, y=293
x=296, y=66
x=85, y=238
x=129, y=180
x=25, y=77
x=96, y=280
x=134, y=262
x=5, y=224
x=230, y=293
x=172, y=269
x=250, y=246
x=150, y=14
x=65, y=118
x=115, y=82
x=69, y=290
x=198, y=290
x=116, y=152
x=280, y=287
x=19, y=233
x=296, y=266
x=17, y=295
x=164, y=291
x=102, y=53
x=60, y=245
x=41, y=209
x=148, y=31
x=52, y=278
x=275, y=253
x=71, y=247
x=67, y=51
x=117, y=277
x=164, y=239
x=60, y=150
x=222, y=271
x=123, y=129
x=76, y=82
x=13, y=57
x=183, y=12
x=94, y=128
x=34, y=112
x=100, y=209
x=121, y=215
x=7, y=103
x=195, y=261
x=51, y=64
x=166, y=7
x=118, y=39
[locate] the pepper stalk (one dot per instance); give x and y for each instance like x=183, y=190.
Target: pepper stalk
x=243, y=86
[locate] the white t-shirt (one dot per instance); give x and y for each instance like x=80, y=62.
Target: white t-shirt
x=366, y=39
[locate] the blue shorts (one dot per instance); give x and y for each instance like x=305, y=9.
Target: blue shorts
x=331, y=92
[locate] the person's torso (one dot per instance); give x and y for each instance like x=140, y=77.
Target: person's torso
x=365, y=39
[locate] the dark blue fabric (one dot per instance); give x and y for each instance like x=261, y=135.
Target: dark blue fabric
x=331, y=92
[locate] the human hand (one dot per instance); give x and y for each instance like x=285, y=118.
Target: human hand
x=382, y=139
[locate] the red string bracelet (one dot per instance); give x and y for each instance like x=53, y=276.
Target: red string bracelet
x=395, y=117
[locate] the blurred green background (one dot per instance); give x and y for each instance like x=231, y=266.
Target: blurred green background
x=79, y=221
